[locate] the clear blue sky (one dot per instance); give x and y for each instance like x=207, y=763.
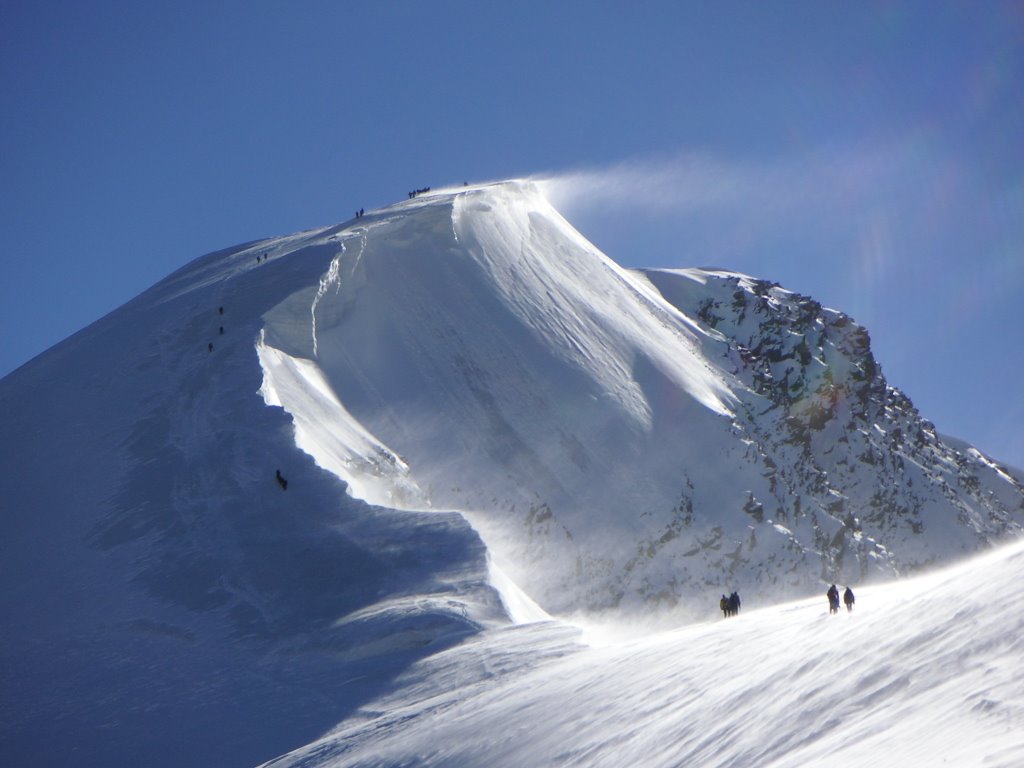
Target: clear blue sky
x=868, y=154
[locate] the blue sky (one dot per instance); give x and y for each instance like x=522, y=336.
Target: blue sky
x=869, y=155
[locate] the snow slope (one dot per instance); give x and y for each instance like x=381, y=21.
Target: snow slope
x=483, y=421
x=923, y=672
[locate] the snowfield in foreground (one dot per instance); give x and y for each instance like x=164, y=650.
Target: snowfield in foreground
x=923, y=672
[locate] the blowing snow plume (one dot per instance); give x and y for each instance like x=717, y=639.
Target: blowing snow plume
x=872, y=207
x=676, y=185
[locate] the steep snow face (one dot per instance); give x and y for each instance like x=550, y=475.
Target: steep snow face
x=498, y=364
x=164, y=601
x=621, y=439
x=923, y=672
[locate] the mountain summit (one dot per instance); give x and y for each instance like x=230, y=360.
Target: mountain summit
x=321, y=457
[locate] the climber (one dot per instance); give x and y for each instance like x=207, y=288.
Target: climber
x=281, y=481
x=848, y=599
x=833, y=599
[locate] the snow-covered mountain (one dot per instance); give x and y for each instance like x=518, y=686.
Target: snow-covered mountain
x=481, y=420
x=620, y=439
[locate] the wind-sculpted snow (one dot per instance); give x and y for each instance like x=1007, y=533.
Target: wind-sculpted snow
x=506, y=368
x=923, y=672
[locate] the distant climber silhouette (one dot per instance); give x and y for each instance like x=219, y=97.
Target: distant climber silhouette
x=833, y=599
x=281, y=481
x=848, y=599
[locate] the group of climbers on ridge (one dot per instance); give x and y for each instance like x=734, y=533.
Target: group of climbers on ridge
x=833, y=599
x=730, y=606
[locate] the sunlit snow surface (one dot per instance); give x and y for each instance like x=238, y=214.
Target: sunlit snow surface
x=924, y=672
